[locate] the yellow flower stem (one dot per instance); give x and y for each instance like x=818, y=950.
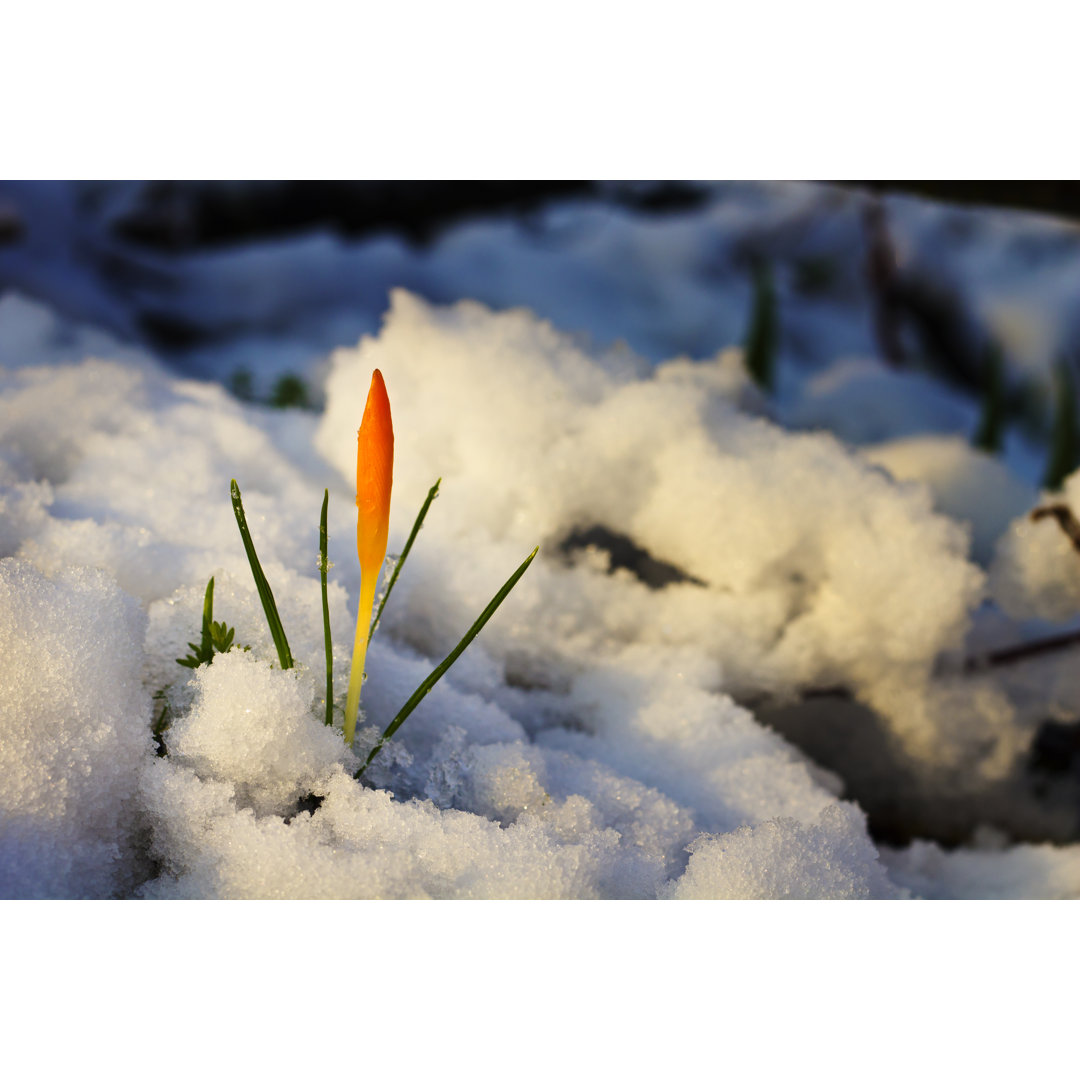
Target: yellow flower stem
x=369, y=580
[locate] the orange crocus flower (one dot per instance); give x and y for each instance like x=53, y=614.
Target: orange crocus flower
x=374, y=477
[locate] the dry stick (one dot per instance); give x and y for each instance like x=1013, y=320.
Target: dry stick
x=1064, y=517
x=1014, y=653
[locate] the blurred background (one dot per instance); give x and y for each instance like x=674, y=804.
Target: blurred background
x=972, y=285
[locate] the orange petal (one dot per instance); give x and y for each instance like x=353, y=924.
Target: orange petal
x=374, y=477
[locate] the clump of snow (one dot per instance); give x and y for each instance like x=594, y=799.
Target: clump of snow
x=74, y=727
x=1036, y=570
x=361, y=844
x=657, y=716
x=990, y=872
x=865, y=401
x=782, y=859
x=965, y=483
x=252, y=725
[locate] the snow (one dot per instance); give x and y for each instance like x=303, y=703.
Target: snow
x=1034, y=572
x=74, y=733
x=609, y=735
x=965, y=483
x=781, y=859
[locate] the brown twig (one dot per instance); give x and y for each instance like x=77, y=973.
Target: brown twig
x=1014, y=653
x=1064, y=517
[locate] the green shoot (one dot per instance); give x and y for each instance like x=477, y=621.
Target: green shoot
x=426, y=686
x=161, y=724
x=760, y=348
x=290, y=392
x=324, y=566
x=241, y=385
x=222, y=636
x=1065, y=437
x=431, y=495
x=991, y=428
x=203, y=653
x=277, y=631
x=216, y=636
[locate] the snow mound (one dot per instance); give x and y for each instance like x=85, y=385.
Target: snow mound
x=785, y=860
x=1036, y=569
x=801, y=566
x=1023, y=872
x=964, y=483
x=864, y=401
x=74, y=726
x=251, y=725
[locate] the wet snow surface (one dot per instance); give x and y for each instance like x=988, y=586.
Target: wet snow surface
x=756, y=617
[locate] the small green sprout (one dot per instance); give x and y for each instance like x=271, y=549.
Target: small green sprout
x=241, y=385
x=290, y=392
x=760, y=347
x=277, y=631
x=990, y=433
x=216, y=636
x=324, y=567
x=161, y=724
x=1065, y=437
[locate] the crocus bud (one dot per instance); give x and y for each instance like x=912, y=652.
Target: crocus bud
x=374, y=478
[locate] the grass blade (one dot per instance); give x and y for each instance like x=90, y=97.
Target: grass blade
x=761, y=337
x=207, y=645
x=277, y=631
x=323, y=567
x=203, y=653
x=426, y=686
x=1065, y=437
x=405, y=553
x=990, y=433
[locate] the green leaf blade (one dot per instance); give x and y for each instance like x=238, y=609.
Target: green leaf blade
x=277, y=631
x=762, y=333
x=429, y=683
x=323, y=567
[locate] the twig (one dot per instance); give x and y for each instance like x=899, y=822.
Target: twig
x=1014, y=653
x=1064, y=517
